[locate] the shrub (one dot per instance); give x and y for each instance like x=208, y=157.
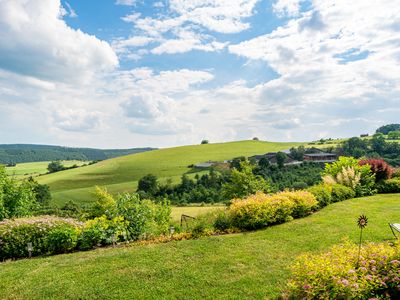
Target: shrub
x=341, y=192
x=322, y=193
x=335, y=274
x=62, y=239
x=105, y=203
x=348, y=172
x=379, y=167
x=243, y=182
x=260, y=210
x=389, y=186
x=222, y=221
x=304, y=202
x=100, y=232
x=43, y=232
x=396, y=173
x=145, y=218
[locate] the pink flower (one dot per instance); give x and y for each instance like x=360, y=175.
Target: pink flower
x=307, y=286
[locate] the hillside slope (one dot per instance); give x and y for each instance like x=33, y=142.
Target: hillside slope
x=122, y=173
x=252, y=265
x=20, y=153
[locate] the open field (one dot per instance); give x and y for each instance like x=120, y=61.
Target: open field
x=193, y=211
x=122, y=173
x=23, y=170
x=251, y=265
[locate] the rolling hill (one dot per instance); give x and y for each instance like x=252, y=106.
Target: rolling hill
x=21, y=153
x=122, y=173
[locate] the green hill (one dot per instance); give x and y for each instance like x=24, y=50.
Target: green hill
x=122, y=173
x=253, y=265
x=21, y=153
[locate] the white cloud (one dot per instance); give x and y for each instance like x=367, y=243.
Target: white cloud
x=336, y=61
x=126, y=2
x=287, y=7
x=35, y=41
x=76, y=120
x=182, y=29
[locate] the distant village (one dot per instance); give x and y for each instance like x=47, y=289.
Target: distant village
x=313, y=155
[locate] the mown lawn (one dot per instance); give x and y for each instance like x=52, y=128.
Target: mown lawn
x=240, y=266
x=121, y=174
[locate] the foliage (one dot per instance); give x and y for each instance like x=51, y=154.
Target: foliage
x=260, y=210
x=62, y=239
x=12, y=154
x=291, y=176
x=323, y=194
x=55, y=166
x=388, y=128
x=335, y=275
x=297, y=153
x=48, y=235
x=145, y=218
x=394, y=135
x=304, y=202
x=205, y=142
x=105, y=203
x=374, y=147
x=148, y=184
x=281, y=159
x=340, y=193
x=379, y=167
x=17, y=199
x=389, y=186
x=101, y=231
x=348, y=172
x=244, y=182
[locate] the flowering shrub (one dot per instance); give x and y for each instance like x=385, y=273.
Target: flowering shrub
x=260, y=210
x=379, y=167
x=323, y=194
x=348, y=172
x=47, y=234
x=338, y=275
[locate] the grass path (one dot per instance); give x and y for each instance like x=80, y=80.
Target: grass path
x=240, y=266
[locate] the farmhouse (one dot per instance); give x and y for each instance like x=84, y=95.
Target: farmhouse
x=321, y=157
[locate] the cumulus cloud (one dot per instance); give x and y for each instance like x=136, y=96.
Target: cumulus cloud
x=35, y=41
x=332, y=61
x=182, y=28
x=76, y=120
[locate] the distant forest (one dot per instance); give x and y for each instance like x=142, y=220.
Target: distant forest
x=19, y=153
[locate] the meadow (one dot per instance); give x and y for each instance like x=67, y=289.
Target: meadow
x=121, y=174
x=24, y=170
x=253, y=265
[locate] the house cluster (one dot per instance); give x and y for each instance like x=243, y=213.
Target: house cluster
x=312, y=155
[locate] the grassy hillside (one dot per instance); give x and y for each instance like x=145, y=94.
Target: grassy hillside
x=122, y=173
x=242, y=266
x=24, y=170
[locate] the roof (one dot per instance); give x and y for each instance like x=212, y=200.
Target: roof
x=320, y=154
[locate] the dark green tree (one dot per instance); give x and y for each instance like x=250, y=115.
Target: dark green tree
x=55, y=166
x=148, y=184
x=281, y=159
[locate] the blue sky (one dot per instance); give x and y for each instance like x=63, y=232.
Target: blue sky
x=126, y=73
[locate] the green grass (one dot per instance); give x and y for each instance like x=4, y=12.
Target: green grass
x=23, y=170
x=122, y=173
x=193, y=211
x=241, y=266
